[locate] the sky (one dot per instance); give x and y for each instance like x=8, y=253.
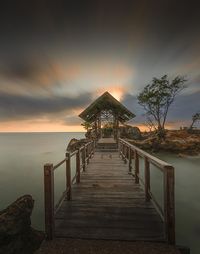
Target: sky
x=56, y=57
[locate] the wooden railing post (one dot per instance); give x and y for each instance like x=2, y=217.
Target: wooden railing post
x=88, y=153
x=86, y=162
x=84, y=158
x=90, y=150
x=78, y=167
x=147, y=178
x=68, y=176
x=49, y=200
x=119, y=148
x=130, y=159
x=93, y=147
x=136, y=166
x=169, y=204
x=125, y=153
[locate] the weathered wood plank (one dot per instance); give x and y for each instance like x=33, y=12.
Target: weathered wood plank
x=110, y=233
x=108, y=204
x=115, y=205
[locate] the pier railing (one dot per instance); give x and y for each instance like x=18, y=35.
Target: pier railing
x=83, y=155
x=129, y=153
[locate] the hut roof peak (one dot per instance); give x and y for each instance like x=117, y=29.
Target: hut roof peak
x=106, y=102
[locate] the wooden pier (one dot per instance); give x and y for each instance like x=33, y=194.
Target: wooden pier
x=108, y=198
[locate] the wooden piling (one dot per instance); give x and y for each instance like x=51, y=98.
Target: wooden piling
x=68, y=176
x=130, y=160
x=169, y=204
x=78, y=167
x=49, y=200
x=147, y=179
x=136, y=167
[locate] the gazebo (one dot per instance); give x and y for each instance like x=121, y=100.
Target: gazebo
x=106, y=111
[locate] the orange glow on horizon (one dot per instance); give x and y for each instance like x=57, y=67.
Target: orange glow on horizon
x=31, y=126
x=42, y=126
x=168, y=126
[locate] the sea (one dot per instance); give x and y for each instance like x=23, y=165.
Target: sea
x=22, y=159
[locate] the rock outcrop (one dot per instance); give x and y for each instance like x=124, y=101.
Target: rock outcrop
x=179, y=142
x=16, y=234
x=74, y=144
x=129, y=132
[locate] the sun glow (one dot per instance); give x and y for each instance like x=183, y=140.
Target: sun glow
x=116, y=91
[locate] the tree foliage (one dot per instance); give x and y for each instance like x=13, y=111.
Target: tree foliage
x=157, y=97
x=86, y=125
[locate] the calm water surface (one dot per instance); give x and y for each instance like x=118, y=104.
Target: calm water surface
x=22, y=156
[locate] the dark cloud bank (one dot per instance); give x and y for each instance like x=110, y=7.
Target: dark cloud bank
x=14, y=107
x=184, y=106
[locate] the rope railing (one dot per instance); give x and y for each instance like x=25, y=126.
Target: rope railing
x=83, y=155
x=129, y=153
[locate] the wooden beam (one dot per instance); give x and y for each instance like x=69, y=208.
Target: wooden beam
x=84, y=158
x=136, y=166
x=169, y=204
x=49, y=200
x=130, y=160
x=68, y=176
x=147, y=179
x=78, y=167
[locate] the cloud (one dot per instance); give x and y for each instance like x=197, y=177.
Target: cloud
x=51, y=51
x=14, y=107
x=72, y=120
x=184, y=106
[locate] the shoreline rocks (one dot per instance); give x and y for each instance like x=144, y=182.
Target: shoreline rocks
x=74, y=144
x=16, y=234
x=178, y=142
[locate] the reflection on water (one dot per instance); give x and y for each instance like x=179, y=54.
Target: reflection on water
x=23, y=155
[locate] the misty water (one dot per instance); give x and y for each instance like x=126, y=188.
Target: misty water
x=22, y=156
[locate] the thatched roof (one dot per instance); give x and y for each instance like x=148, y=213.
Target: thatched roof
x=106, y=102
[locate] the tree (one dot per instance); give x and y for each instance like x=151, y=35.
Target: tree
x=150, y=124
x=86, y=125
x=195, y=118
x=157, y=97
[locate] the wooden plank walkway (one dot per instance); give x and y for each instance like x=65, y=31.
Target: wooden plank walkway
x=106, y=141
x=108, y=204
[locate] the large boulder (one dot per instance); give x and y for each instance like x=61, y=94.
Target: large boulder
x=16, y=234
x=176, y=141
x=74, y=144
x=129, y=132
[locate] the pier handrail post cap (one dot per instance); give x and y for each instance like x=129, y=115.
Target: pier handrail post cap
x=47, y=168
x=67, y=155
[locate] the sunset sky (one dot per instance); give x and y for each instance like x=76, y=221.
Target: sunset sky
x=56, y=57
